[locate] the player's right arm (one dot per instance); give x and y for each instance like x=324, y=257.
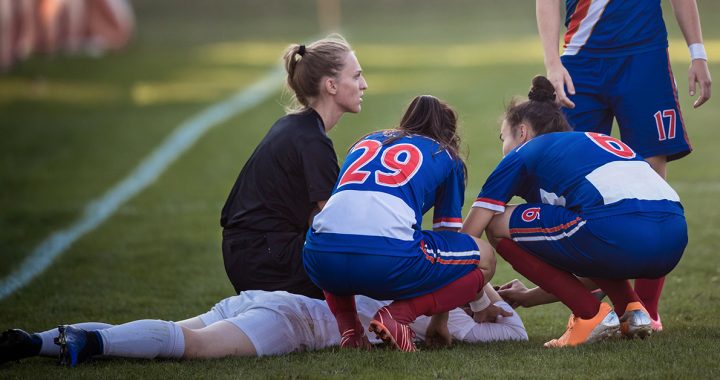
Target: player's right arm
x=547, y=13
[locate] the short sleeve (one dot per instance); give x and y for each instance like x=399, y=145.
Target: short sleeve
x=449, y=199
x=503, y=183
x=320, y=167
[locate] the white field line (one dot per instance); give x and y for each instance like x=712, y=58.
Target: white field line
x=97, y=211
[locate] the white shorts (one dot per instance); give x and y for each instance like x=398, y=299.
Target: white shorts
x=280, y=322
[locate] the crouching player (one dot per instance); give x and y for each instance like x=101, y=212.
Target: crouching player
x=368, y=238
x=254, y=323
x=595, y=209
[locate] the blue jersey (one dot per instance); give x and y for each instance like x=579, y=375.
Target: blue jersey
x=612, y=28
x=382, y=193
x=592, y=174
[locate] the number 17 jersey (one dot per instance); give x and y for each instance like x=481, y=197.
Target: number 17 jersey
x=382, y=193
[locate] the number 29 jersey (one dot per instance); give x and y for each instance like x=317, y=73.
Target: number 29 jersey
x=382, y=193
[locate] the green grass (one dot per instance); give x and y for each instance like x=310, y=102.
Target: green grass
x=73, y=127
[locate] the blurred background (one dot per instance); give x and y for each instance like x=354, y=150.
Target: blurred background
x=78, y=118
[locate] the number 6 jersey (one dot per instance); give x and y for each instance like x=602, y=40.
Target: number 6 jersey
x=589, y=173
x=382, y=193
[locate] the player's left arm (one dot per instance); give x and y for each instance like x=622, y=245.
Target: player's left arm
x=449, y=198
x=688, y=18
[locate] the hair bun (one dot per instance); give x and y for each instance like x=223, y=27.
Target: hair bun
x=542, y=90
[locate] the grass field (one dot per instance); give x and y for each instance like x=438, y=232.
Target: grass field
x=74, y=127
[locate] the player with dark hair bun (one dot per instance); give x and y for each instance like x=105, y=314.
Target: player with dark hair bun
x=594, y=209
x=615, y=67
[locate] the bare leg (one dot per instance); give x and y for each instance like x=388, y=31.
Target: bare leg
x=659, y=164
x=194, y=323
x=218, y=340
x=649, y=290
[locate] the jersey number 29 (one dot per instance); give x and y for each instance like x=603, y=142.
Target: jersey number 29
x=402, y=162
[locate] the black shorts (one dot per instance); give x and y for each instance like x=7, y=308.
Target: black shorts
x=267, y=261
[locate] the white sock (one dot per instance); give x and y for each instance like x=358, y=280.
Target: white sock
x=49, y=348
x=147, y=338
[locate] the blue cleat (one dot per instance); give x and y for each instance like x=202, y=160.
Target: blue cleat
x=73, y=346
x=17, y=344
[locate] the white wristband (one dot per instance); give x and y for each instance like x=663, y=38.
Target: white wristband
x=480, y=304
x=697, y=51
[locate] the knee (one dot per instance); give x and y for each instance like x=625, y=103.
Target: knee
x=487, y=259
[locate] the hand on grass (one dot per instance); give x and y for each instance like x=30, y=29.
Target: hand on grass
x=437, y=334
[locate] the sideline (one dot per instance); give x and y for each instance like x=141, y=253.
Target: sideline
x=97, y=211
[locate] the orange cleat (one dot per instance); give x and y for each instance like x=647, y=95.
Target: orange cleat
x=636, y=321
x=603, y=325
x=401, y=336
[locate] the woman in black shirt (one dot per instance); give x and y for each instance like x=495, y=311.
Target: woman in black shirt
x=291, y=173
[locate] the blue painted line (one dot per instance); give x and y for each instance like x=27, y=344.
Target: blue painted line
x=96, y=212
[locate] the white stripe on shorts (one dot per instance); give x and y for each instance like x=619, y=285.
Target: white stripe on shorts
x=452, y=254
x=559, y=236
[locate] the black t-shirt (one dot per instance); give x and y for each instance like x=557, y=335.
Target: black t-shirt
x=292, y=168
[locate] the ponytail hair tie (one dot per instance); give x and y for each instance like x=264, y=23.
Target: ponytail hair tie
x=301, y=50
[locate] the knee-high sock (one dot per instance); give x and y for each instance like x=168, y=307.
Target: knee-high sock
x=619, y=291
x=649, y=291
x=345, y=312
x=563, y=285
x=49, y=348
x=450, y=296
x=147, y=338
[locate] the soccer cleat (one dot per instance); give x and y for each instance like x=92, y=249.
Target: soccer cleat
x=391, y=331
x=603, y=325
x=16, y=344
x=656, y=324
x=636, y=321
x=72, y=342
x=355, y=338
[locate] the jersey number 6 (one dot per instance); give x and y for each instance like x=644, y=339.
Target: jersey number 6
x=611, y=145
x=402, y=161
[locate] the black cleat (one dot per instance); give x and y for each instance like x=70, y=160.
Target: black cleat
x=16, y=344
